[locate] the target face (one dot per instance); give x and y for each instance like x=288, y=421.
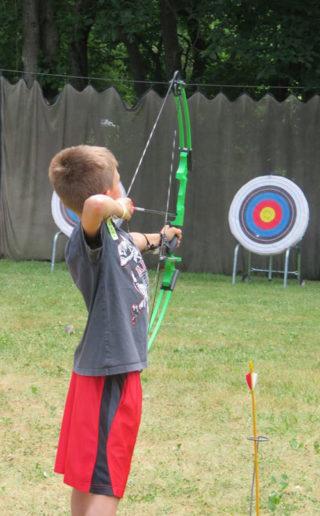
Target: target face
x=64, y=218
x=269, y=214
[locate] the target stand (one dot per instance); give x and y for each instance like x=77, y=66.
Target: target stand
x=269, y=269
x=269, y=216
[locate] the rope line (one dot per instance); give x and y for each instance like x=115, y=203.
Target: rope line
x=128, y=81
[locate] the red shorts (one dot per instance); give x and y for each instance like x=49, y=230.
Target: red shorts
x=98, y=433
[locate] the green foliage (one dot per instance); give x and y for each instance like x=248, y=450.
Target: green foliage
x=11, y=36
x=277, y=494
x=275, y=44
x=223, y=42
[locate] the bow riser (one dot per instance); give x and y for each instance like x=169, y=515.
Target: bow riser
x=182, y=177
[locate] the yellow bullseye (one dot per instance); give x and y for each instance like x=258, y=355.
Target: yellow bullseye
x=267, y=214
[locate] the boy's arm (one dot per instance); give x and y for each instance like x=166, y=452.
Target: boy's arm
x=147, y=241
x=100, y=207
x=143, y=241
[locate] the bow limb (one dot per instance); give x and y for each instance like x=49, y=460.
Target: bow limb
x=185, y=146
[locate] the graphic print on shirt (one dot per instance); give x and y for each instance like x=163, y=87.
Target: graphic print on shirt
x=130, y=257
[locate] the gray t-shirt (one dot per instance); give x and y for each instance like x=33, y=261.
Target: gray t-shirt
x=113, y=281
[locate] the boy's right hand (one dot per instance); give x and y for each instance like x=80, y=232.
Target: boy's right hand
x=100, y=207
x=127, y=207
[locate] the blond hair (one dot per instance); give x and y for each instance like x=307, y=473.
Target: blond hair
x=78, y=172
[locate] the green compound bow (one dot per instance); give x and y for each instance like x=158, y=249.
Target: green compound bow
x=170, y=274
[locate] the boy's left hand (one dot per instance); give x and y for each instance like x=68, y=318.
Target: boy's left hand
x=171, y=232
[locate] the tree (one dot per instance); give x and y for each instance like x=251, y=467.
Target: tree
x=264, y=43
x=31, y=39
x=84, y=16
x=169, y=31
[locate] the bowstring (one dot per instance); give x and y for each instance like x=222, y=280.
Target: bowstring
x=151, y=134
x=161, y=249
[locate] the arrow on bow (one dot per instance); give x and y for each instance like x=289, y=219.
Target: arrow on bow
x=166, y=255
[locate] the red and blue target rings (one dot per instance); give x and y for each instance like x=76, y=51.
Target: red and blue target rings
x=267, y=214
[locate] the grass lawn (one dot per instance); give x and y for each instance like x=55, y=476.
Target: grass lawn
x=192, y=455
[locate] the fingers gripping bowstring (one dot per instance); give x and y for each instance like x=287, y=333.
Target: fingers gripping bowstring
x=152, y=133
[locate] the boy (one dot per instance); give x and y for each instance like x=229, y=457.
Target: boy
x=103, y=406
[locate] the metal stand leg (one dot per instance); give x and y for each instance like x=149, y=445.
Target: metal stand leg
x=299, y=264
x=54, y=249
x=270, y=268
x=286, y=267
x=249, y=266
x=235, y=261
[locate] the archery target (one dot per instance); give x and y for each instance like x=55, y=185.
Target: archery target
x=64, y=218
x=268, y=215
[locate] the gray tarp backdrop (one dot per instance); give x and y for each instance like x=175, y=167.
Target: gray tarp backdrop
x=233, y=142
